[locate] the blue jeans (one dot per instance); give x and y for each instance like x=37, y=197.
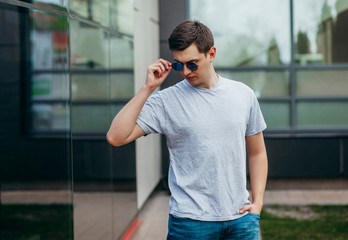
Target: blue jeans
x=244, y=228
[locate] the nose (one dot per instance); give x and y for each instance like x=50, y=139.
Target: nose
x=185, y=70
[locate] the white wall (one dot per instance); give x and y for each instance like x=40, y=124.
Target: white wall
x=146, y=51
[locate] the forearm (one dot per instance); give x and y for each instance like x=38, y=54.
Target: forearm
x=124, y=122
x=258, y=168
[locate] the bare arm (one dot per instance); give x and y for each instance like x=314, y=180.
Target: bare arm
x=258, y=166
x=123, y=128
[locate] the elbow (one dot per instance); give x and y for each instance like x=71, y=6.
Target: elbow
x=112, y=140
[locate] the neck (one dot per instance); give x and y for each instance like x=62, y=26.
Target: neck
x=213, y=80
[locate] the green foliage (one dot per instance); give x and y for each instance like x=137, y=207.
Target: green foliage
x=302, y=43
x=331, y=223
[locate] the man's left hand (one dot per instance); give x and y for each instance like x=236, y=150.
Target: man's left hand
x=252, y=208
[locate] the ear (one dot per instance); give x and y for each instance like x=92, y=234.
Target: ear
x=212, y=53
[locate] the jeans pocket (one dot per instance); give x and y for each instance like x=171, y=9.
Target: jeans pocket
x=256, y=215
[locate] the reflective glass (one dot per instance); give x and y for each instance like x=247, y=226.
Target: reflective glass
x=264, y=83
x=90, y=86
x=247, y=33
x=322, y=83
x=122, y=86
x=93, y=10
x=50, y=117
x=320, y=31
x=121, y=52
x=89, y=46
x=101, y=12
x=50, y=86
x=121, y=16
x=35, y=176
x=276, y=114
x=81, y=8
x=49, y=74
x=322, y=114
x=60, y=5
x=90, y=118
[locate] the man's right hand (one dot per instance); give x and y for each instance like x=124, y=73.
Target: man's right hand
x=157, y=73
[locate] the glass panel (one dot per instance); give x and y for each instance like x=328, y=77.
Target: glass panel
x=122, y=86
x=322, y=114
x=35, y=176
x=93, y=10
x=277, y=115
x=121, y=46
x=122, y=16
x=89, y=118
x=247, y=33
x=322, y=83
x=81, y=8
x=264, y=84
x=83, y=56
x=50, y=86
x=101, y=12
x=50, y=117
x=89, y=86
x=55, y=4
x=320, y=29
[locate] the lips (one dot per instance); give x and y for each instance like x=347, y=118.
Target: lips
x=189, y=78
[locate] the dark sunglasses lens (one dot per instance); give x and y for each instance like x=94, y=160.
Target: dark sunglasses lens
x=177, y=66
x=192, y=66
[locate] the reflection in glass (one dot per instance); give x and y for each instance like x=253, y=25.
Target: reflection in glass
x=89, y=86
x=83, y=56
x=50, y=86
x=35, y=179
x=55, y=4
x=93, y=10
x=49, y=53
x=121, y=16
x=90, y=118
x=122, y=86
x=247, y=33
x=276, y=114
x=322, y=83
x=81, y=8
x=322, y=114
x=264, y=83
x=121, y=52
x=320, y=29
x=50, y=117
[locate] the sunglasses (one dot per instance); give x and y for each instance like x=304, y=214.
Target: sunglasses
x=179, y=66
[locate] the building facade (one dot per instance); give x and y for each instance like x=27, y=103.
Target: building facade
x=68, y=66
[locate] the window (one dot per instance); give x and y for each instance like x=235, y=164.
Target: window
x=301, y=80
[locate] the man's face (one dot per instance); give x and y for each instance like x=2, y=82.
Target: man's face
x=204, y=61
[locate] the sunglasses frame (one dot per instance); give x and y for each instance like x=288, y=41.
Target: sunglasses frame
x=179, y=66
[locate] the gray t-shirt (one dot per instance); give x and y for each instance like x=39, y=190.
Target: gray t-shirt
x=205, y=131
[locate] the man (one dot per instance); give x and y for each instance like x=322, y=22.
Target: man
x=208, y=122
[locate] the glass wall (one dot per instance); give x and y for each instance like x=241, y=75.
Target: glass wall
x=67, y=69
x=35, y=136
x=292, y=53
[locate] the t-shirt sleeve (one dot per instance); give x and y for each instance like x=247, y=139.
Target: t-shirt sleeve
x=152, y=115
x=256, y=122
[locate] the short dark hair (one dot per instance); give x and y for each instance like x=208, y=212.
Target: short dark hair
x=189, y=32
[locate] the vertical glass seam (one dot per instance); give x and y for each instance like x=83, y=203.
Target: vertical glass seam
x=292, y=70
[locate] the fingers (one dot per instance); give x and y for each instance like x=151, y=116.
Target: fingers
x=167, y=65
x=250, y=208
x=160, y=66
x=244, y=209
